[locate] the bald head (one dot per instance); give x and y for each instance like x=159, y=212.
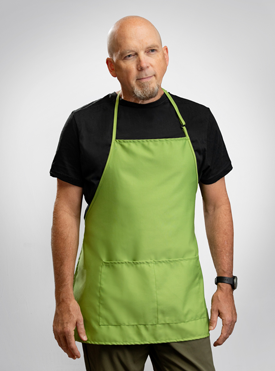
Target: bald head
x=137, y=59
x=128, y=26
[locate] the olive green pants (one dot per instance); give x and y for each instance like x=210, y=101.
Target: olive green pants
x=194, y=355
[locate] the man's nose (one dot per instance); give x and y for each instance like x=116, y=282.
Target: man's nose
x=142, y=62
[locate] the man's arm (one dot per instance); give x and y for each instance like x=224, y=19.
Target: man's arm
x=219, y=230
x=65, y=238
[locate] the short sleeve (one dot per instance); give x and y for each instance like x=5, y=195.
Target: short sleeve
x=66, y=164
x=216, y=162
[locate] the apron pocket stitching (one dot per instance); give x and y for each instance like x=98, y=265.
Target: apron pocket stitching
x=118, y=281
x=181, y=293
x=156, y=293
x=100, y=295
x=149, y=292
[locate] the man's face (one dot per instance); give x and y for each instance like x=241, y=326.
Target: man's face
x=139, y=63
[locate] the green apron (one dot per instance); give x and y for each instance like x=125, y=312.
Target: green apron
x=138, y=279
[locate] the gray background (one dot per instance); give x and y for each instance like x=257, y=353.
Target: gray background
x=53, y=61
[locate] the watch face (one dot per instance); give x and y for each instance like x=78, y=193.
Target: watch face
x=235, y=282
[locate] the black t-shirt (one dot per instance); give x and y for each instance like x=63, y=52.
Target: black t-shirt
x=86, y=137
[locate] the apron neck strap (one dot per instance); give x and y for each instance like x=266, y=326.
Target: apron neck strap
x=177, y=111
x=170, y=99
x=115, y=117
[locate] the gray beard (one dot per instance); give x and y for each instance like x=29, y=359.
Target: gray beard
x=146, y=92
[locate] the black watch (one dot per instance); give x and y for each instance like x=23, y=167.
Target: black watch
x=233, y=281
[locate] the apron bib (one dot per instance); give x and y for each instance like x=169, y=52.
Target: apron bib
x=138, y=279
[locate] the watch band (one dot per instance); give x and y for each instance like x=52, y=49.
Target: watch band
x=233, y=281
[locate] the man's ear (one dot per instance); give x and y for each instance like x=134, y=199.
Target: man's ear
x=111, y=66
x=166, y=54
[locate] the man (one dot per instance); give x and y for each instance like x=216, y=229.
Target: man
x=138, y=156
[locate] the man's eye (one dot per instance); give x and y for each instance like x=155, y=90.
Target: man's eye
x=152, y=50
x=128, y=56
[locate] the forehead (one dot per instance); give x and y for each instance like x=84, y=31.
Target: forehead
x=135, y=38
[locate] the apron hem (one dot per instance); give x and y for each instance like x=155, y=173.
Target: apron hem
x=143, y=342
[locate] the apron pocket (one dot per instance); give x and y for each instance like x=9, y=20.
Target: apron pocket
x=127, y=293
x=180, y=291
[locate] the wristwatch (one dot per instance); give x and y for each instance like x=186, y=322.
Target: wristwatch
x=233, y=281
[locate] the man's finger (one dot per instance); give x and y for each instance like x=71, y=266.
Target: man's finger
x=225, y=333
x=61, y=341
x=63, y=345
x=213, y=319
x=81, y=329
x=69, y=351
x=71, y=346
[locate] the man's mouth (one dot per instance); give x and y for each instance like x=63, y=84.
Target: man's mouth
x=145, y=78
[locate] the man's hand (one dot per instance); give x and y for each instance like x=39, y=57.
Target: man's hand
x=223, y=306
x=67, y=317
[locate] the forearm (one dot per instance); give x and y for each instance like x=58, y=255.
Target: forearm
x=219, y=229
x=65, y=238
